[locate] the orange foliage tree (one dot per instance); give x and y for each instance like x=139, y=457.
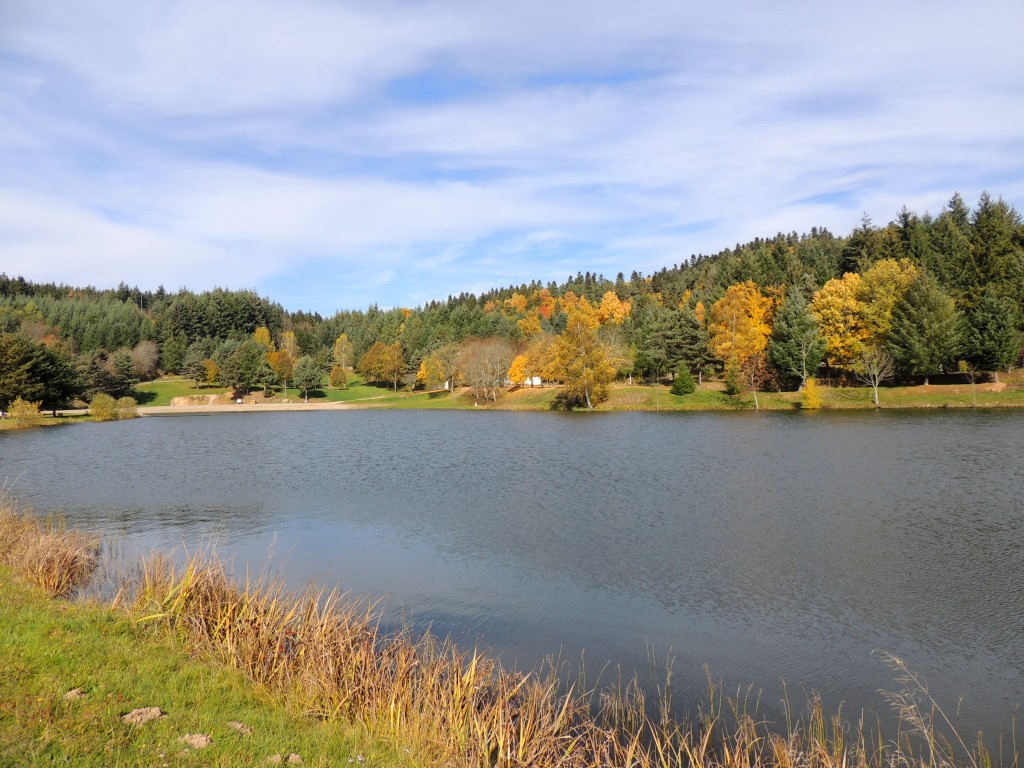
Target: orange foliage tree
x=740, y=323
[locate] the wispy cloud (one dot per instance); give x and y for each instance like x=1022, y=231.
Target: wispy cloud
x=336, y=154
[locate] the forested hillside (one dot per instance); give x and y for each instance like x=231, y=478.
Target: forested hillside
x=916, y=297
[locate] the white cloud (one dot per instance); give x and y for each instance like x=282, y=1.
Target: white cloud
x=421, y=148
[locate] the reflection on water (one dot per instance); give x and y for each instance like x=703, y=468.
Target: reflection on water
x=767, y=546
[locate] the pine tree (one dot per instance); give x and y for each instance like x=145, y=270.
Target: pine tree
x=991, y=338
x=796, y=347
x=683, y=383
x=925, y=334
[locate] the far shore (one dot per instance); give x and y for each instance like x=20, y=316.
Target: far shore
x=177, y=400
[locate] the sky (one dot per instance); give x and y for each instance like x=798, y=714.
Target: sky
x=333, y=155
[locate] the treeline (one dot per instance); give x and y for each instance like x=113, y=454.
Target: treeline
x=918, y=296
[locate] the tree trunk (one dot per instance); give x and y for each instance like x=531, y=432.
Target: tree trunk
x=586, y=392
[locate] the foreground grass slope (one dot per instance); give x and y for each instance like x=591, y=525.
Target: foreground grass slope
x=49, y=648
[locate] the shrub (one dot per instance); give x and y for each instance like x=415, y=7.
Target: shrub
x=338, y=379
x=26, y=414
x=103, y=407
x=683, y=384
x=811, y=399
x=127, y=408
x=733, y=382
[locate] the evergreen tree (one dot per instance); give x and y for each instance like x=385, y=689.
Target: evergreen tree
x=796, y=347
x=997, y=246
x=693, y=341
x=172, y=356
x=683, y=383
x=991, y=339
x=308, y=375
x=35, y=373
x=925, y=334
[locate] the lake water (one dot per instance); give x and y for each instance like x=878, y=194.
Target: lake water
x=768, y=547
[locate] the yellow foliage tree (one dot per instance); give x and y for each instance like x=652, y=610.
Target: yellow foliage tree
x=25, y=413
x=212, y=371
x=568, y=302
x=342, y=352
x=529, y=326
x=811, y=397
x=517, y=371
x=262, y=336
x=612, y=309
x=582, y=363
x=539, y=356
x=740, y=323
x=431, y=373
x=282, y=363
x=881, y=288
x=515, y=305
x=701, y=312
x=290, y=345
x=338, y=377
x=841, y=318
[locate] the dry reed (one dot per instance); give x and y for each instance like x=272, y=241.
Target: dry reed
x=43, y=551
x=325, y=653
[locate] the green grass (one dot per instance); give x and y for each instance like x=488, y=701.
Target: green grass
x=165, y=389
x=49, y=647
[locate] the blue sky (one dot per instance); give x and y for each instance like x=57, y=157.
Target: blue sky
x=336, y=154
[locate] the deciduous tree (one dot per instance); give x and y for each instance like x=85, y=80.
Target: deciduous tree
x=485, y=364
x=583, y=364
x=840, y=314
x=880, y=288
x=740, y=323
x=431, y=373
x=876, y=366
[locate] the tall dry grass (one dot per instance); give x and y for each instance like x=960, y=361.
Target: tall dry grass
x=44, y=551
x=325, y=653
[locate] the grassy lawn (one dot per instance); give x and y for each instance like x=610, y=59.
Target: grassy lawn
x=49, y=647
x=165, y=389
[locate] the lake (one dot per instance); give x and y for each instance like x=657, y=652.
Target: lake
x=768, y=547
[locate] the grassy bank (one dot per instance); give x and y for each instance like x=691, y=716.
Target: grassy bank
x=49, y=649
x=315, y=675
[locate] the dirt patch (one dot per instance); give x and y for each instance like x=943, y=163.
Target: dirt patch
x=143, y=715
x=222, y=399
x=197, y=740
x=242, y=728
